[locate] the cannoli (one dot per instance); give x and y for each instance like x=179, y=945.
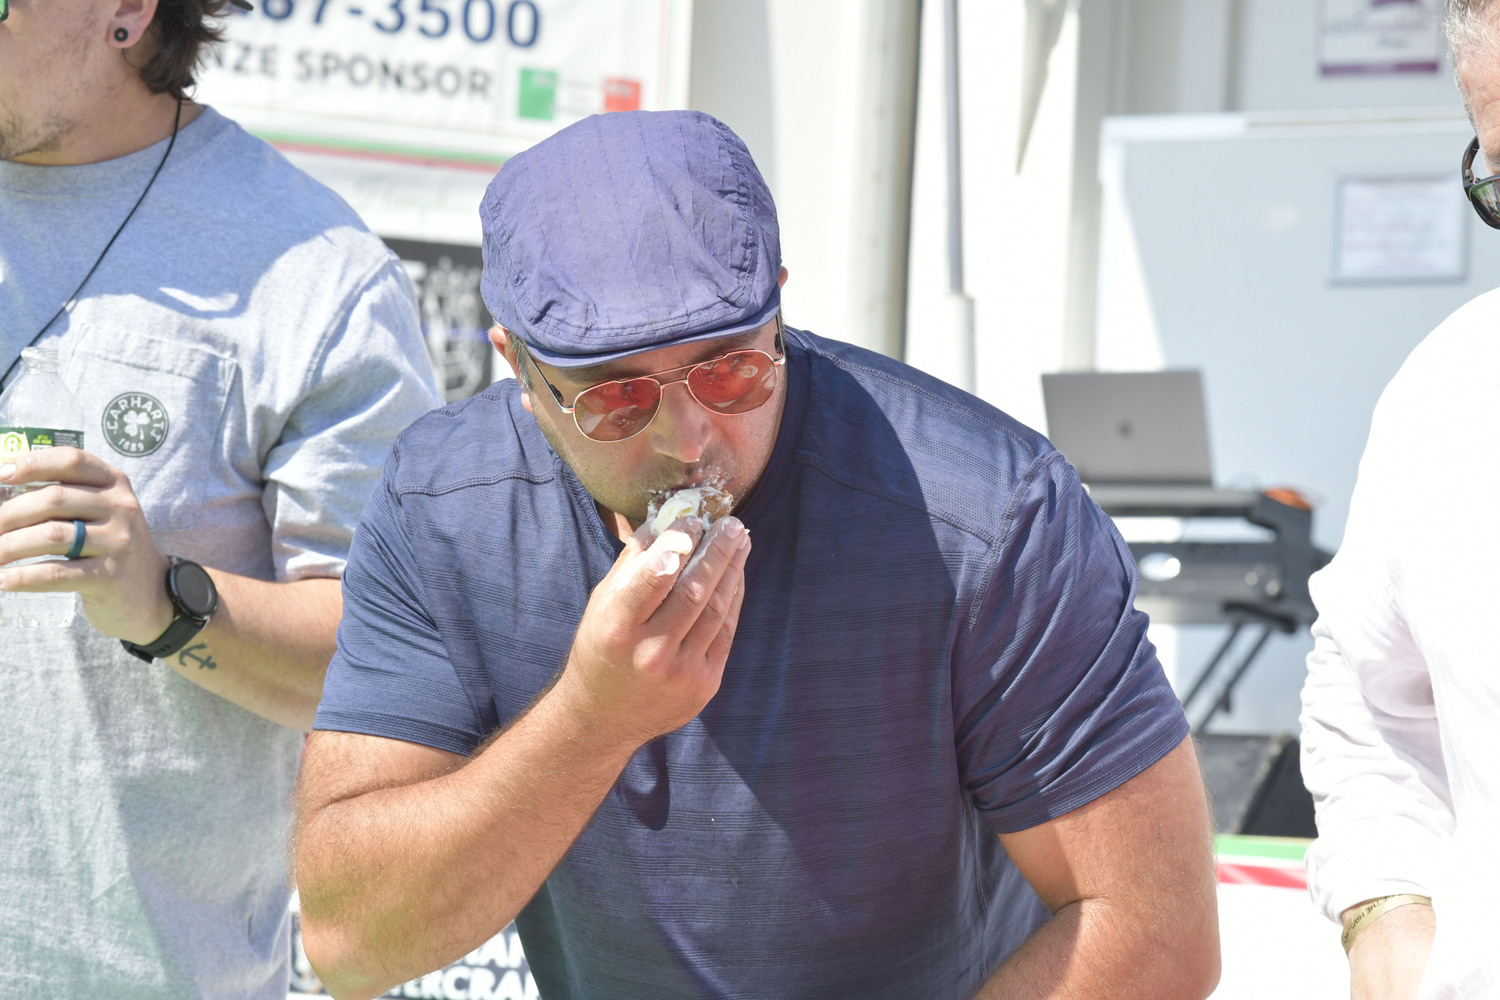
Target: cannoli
x=705, y=503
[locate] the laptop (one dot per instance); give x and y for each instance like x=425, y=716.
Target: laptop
x=1130, y=428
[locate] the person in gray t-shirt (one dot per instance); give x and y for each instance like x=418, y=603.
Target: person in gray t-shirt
x=244, y=352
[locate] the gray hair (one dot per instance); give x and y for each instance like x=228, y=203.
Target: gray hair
x=1470, y=23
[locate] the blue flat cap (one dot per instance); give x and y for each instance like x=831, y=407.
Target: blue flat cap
x=629, y=232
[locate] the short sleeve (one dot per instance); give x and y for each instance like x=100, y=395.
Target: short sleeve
x=392, y=675
x=1059, y=695
x=370, y=381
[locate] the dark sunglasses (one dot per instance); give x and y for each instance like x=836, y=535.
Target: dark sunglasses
x=736, y=382
x=1482, y=193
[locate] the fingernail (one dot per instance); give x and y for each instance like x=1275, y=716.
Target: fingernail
x=7, y=470
x=733, y=527
x=676, y=540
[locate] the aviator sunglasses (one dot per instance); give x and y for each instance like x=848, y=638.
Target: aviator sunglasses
x=1482, y=193
x=736, y=382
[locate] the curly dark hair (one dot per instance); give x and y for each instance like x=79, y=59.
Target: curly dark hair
x=184, y=31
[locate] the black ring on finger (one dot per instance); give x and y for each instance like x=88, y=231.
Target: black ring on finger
x=79, y=531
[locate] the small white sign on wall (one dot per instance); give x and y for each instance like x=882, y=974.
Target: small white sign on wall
x=1379, y=37
x=1400, y=229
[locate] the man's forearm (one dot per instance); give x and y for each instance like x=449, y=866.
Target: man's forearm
x=1100, y=948
x=399, y=881
x=268, y=646
x=1388, y=958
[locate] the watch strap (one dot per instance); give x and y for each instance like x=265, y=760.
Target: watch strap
x=185, y=623
x=178, y=634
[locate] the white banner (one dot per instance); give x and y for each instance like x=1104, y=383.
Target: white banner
x=508, y=70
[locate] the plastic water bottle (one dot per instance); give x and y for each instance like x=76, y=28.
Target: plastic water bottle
x=37, y=411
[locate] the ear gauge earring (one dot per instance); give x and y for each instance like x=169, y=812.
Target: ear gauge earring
x=121, y=34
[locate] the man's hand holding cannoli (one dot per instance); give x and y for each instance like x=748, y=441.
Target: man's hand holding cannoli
x=651, y=647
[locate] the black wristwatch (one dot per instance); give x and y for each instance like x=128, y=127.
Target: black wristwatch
x=194, y=601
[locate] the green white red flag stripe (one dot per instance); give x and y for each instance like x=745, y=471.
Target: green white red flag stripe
x=1273, y=862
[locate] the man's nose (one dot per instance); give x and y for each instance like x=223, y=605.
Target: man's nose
x=682, y=427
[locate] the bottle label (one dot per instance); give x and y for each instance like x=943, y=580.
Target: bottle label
x=16, y=441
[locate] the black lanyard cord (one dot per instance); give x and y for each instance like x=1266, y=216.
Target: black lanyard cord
x=72, y=300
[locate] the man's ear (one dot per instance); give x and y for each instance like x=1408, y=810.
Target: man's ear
x=781, y=279
x=500, y=337
x=135, y=17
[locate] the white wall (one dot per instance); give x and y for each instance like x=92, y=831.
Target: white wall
x=1174, y=56
x=823, y=95
x=1028, y=245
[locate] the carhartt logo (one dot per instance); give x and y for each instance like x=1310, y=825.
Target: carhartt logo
x=135, y=424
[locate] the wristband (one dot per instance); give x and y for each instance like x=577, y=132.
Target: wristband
x=1374, y=910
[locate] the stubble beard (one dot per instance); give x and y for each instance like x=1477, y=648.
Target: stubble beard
x=17, y=140
x=630, y=497
x=23, y=131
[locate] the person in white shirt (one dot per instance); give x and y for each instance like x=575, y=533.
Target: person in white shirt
x=1401, y=708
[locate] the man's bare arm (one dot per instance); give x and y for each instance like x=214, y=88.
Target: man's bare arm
x=408, y=876
x=407, y=858
x=1130, y=882
x=1388, y=958
x=268, y=646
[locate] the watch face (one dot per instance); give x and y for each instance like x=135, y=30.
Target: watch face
x=194, y=589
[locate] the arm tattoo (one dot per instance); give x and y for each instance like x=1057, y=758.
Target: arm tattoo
x=197, y=655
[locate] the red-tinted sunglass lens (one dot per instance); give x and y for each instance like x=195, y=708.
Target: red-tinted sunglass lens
x=614, y=411
x=1487, y=202
x=735, y=383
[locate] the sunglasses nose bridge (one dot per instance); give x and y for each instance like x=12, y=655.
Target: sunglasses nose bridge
x=681, y=427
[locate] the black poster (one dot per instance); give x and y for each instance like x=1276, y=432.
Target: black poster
x=454, y=321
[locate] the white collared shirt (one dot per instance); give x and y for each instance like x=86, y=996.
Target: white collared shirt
x=1401, y=709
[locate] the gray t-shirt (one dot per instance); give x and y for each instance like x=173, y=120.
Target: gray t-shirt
x=246, y=353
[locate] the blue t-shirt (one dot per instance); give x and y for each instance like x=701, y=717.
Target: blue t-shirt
x=937, y=644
